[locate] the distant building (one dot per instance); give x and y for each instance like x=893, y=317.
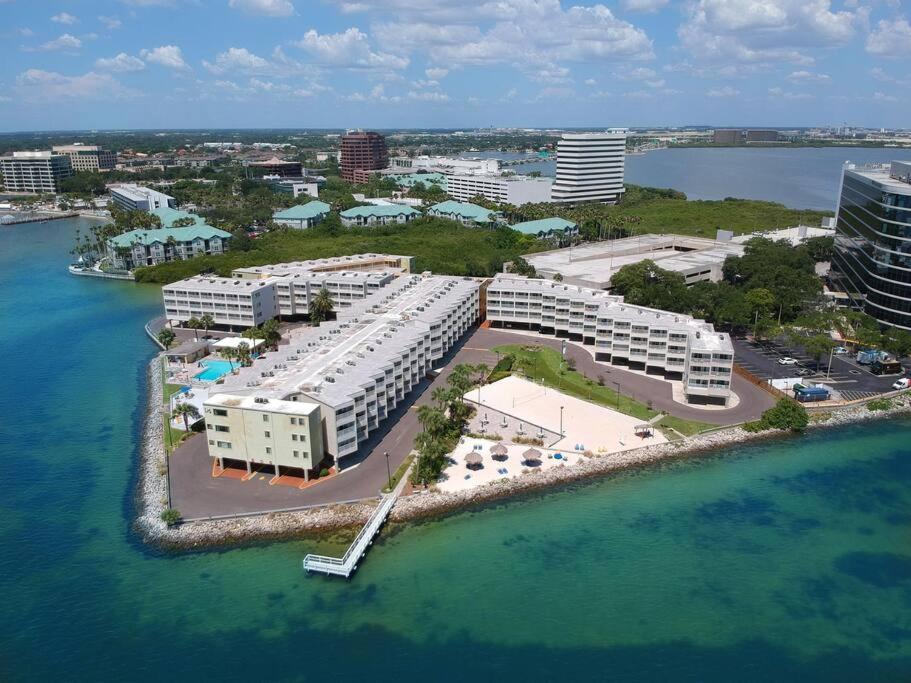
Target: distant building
x=87, y=157
x=872, y=256
x=302, y=216
x=728, y=136
x=590, y=167
x=383, y=214
x=463, y=212
x=514, y=189
x=547, y=228
x=201, y=161
x=363, y=153
x=294, y=187
x=39, y=172
x=276, y=167
x=427, y=179
x=148, y=247
x=131, y=197
x=447, y=165
x=762, y=136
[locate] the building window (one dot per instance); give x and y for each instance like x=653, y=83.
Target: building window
x=222, y=428
x=294, y=437
x=223, y=444
x=268, y=451
x=303, y=437
x=268, y=434
x=265, y=418
x=220, y=412
x=294, y=420
x=296, y=454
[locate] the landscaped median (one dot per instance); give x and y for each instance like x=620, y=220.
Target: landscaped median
x=546, y=365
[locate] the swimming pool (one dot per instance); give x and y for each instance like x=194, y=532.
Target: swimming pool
x=214, y=369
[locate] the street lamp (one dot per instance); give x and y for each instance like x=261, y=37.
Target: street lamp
x=388, y=473
x=617, y=384
x=829, y=367
x=561, y=421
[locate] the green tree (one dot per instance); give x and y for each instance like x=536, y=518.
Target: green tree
x=166, y=337
x=645, y=284
x=229, y=355
x=243, y=354
x=185, y=411
x=271, y=333
x=207, y=322
x=761, y=301
x=786, y=414
x=321, y=306
x=897, y=341
x=557, y=277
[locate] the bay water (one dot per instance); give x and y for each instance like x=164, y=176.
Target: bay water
x=789, y=560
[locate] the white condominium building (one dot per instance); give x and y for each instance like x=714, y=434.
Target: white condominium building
x=354, y=370
x=131, y=197
x=590, y=167
x=87, y=157
x=674, y=345
x=39, y=172
x=447, y=164
x=514, y=189
x=256, y=294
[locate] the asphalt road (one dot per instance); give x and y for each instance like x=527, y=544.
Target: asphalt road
x=198, y=495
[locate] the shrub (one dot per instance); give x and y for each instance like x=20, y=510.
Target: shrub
x=170, y=516
x=786, y=414
x=324, y=472
x=879, y=404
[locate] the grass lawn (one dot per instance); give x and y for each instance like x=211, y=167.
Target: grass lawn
x=546, y=365
x=399, y=473
x=685, y=427
x=170, y=390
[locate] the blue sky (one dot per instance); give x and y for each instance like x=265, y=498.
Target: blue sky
x=430, y=63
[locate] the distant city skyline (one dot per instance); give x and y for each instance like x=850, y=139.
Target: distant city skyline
x=393, y=64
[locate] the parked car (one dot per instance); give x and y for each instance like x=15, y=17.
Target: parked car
x=787, y=360
x=840, y=350
x=805, y=372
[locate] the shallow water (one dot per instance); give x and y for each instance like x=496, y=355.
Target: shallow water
x=784, y=561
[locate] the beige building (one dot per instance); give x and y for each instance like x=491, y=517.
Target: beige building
x=265, y=431
x=87, y=157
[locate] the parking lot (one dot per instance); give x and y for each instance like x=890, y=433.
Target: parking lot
x=846, y=375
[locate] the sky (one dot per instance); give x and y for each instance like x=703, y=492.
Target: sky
x=112, y=64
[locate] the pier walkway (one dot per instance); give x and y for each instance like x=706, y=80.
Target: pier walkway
x=348, y=563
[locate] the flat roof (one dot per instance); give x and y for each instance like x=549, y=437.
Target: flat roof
x=262, y=404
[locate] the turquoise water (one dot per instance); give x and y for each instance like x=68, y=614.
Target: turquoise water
x=780, y=562
x=214, y=370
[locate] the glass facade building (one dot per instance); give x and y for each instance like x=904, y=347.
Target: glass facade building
x=872, y=260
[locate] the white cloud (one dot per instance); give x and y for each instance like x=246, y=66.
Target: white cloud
x=643, y=5
x=350, y=49
x=110, y=23
x=227, y=85
x=26, y=32
x=428, y=96
x=268, y=86
x=883, y=97
x=421, y=83
x=64, y=18
x=880, y=75
x=780, y=93
x=35, y=85
x=166, y=55
x=376, y=94
x=237, y=59
x=509, y=95
x=436, y=73
x=527, y=34
x=590, y=81
x=268, y=8
x=808, y=77
x=890, y=38
x=723, y=91
x=121, y=63
x=638, y=74
x=149, y=3
x=64, y=42
x=765, y=30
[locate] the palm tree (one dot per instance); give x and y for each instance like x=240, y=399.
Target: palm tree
x=194, y=324
x=229, y=355
x=321, y=306
x=186, y=411
x=432, y=420
x=166, y=337
x=271, y=333
x=207, y=322
x=243, y=353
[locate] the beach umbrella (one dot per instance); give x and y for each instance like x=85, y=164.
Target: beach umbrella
x=473, y=458
x=499, y=450
x=532, y=454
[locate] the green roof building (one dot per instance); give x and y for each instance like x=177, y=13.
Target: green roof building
x=547, y=228
x=378, y=214
x=464, y=212
x=409, y=179
x=302, y=216
x=148, y=247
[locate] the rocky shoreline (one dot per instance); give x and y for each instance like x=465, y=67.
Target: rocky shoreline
x=152, y=487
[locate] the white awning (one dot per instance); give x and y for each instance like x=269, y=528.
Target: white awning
x=234, y=342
